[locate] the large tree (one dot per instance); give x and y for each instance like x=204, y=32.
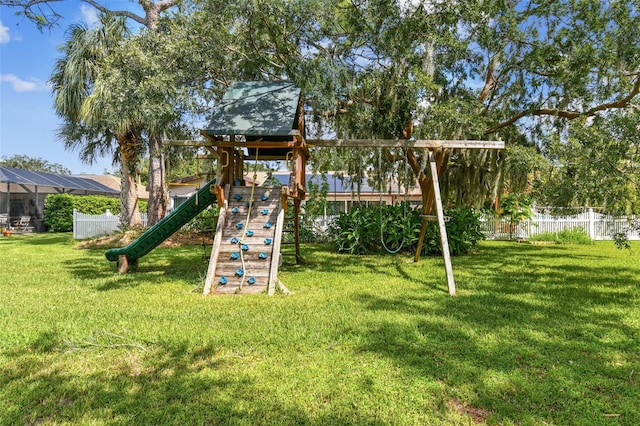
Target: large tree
x=72, y=81
x=516, y=70
x=44, y=14
x=597, y=165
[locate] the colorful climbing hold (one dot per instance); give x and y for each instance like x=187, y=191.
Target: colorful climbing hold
x=234, y=240
x=237, y=197
x=239, y=225
x=267, y=241
x=239, y=272
x=235, y=255
x=222, y=281
x=267, y=225
x=264, y=197
x=251, y=280
x=244, y=247
x=249, y=233
x=263, y=255
x=265, y=211
x=235, y=210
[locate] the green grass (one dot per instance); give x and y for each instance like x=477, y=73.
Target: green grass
x=537, y=335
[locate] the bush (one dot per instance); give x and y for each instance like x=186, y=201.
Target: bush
x=566, y=236
x=395, y=228
x=58, y=209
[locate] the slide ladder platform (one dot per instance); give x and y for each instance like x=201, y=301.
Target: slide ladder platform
x=257, y=242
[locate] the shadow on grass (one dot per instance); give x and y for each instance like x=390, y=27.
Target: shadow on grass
x=153, y=384
x=525, y=341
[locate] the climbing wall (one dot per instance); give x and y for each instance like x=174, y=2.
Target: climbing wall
x=246, y=254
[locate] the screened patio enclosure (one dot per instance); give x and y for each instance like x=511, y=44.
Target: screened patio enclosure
x=22, y=192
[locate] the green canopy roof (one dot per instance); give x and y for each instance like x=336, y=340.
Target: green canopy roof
x=256, y=108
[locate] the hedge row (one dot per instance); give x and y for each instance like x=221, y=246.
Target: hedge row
x=58, y=209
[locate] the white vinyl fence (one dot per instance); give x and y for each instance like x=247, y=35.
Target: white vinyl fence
x=89, y=226
x=596, y=225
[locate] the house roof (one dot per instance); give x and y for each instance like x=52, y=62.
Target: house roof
x=341, y=184
x=44, y=180
x=256, y=108
x=115, y=183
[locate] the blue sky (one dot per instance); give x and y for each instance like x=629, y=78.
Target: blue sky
x=28, y=123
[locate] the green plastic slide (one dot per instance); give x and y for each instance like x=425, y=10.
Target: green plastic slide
x=162, y=230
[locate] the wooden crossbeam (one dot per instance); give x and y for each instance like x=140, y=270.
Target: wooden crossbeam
x=406, y=143
x=173, y=142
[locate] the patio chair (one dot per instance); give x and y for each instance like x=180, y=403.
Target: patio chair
x=23, y=223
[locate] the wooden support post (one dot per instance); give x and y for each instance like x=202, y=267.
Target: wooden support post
x=238, y=167
x=123, y=264
x=284, y=196
x=427, y=191
x=423, y=232
x=275, y=255
x=296, y=229
x=218, y=190
x=433, y=166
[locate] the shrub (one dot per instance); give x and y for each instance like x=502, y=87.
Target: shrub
x=566, y=236
x=395, y=228
x=58, y=209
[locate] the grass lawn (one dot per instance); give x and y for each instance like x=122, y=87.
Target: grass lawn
x=537, y=335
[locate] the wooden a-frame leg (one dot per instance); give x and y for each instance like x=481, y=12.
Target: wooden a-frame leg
x=123, y=264
x=296, y=229
x=443, y=230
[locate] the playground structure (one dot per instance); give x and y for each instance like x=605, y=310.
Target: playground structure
x=265, y=121
x=255, y=121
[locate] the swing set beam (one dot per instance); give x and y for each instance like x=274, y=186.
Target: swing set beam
x=405, y=143
x=439, y=152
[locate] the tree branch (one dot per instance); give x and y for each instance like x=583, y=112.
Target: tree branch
x=570, y=115
x=127, y=14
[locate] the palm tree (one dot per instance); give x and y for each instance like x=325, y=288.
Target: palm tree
x=72, y=81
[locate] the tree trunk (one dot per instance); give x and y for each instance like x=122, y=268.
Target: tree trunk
x=129, y=211
x=157, y=207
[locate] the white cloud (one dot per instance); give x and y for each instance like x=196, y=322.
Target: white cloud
x=89, y=15
x=4, y=34
x=20, y=85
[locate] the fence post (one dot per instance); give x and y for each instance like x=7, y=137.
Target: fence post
x=75, y=224
x=592, y=223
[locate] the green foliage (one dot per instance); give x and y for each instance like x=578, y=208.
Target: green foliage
x=58, y=209
x=391, y=228
x=566, y=236
x=356, y=232
x=25, y=162
x=597, y=165
x=516, y=207
x=621, y=239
